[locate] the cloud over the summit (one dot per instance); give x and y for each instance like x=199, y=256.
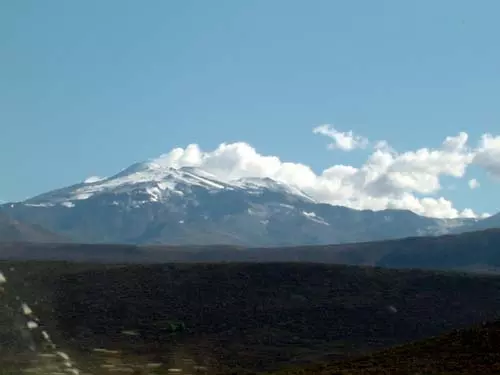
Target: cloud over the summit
x=387, y=179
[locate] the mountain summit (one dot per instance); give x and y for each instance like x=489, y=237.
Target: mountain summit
x=151, y=203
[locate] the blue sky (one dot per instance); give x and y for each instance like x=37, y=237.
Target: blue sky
x=90, y=87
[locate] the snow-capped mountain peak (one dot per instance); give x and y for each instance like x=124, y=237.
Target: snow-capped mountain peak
x=159, y=182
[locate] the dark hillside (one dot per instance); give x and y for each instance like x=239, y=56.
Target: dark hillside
x=474, y=251
x=469, y=351
x=244, y=317
x=261, y=316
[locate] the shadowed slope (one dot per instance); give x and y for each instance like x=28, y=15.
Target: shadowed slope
x=15, y=231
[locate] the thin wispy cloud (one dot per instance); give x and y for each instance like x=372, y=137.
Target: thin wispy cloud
x=345, y=141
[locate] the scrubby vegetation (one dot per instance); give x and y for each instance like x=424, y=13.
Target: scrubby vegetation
x=468, y=351
x=249, y=318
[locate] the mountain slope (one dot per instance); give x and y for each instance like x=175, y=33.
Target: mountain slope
x=489, y=222
x=147, y=203
x=15, y=231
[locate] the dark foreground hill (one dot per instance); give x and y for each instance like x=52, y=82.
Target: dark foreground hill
x=244, y=317
x=468, y=351
x=474, y=251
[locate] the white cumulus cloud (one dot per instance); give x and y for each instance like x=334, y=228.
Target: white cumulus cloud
x=487, y=154
x=386, y=180
x=345, y=141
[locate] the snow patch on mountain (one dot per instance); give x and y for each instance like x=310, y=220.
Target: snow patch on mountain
x=38, y=205
x=93, y=179
x=309, y=214
x=312, y=216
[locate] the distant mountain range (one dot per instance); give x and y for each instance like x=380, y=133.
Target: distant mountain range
x=150, y=204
